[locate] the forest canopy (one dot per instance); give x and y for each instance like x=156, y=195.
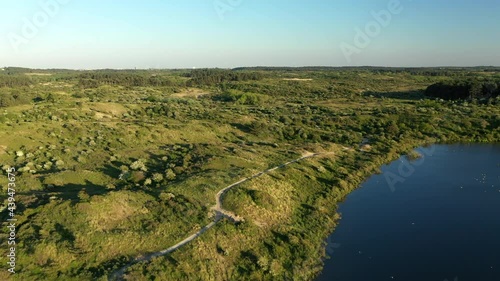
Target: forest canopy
x=465, y=90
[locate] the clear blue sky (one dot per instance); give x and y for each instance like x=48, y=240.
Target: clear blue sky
x=192, y=33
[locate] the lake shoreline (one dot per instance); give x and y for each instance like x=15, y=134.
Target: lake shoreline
x=383, y=160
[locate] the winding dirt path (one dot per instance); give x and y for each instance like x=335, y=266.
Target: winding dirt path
x=220, y=213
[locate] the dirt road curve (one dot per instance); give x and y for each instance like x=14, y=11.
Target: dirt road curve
x=219, y=214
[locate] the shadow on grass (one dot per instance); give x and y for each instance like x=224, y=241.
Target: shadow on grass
x=112, y=171
x=242, y=127
x=71, y=192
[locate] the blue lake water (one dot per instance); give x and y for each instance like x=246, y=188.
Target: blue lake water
x=434, y=219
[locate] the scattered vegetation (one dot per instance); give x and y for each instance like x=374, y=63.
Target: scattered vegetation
x=116, y=164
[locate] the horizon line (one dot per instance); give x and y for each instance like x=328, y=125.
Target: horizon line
x=257, y=66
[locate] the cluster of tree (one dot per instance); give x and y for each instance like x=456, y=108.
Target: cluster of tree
x=464, y=90
x=129, y=79
x=15, y=81
x=200, y=77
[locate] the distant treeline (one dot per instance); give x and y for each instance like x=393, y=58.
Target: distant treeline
x=201, y=77
x=426, y=71
x=24, y=70
x=128, y=79
x=466, y=90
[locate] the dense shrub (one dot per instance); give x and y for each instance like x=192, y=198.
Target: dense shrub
x=15, y=81
x=13, y=98
x=240, y=97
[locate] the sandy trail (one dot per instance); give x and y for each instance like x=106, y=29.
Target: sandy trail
x=220, y=213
